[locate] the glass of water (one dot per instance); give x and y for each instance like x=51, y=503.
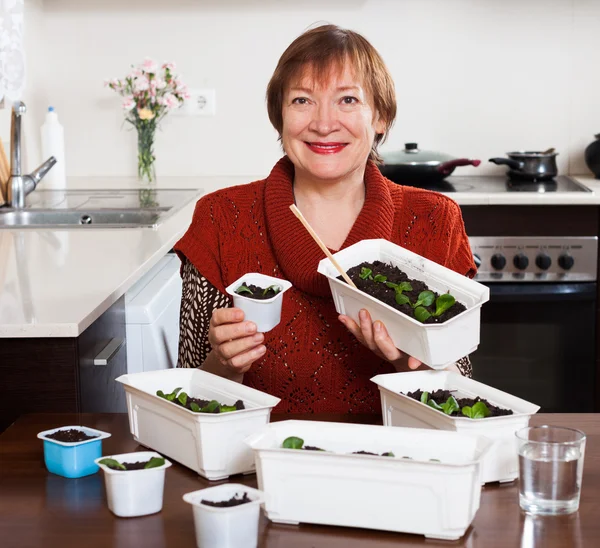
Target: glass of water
x=550, y=469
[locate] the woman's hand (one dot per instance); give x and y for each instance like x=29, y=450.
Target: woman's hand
x=374, y=336
x=235, y=343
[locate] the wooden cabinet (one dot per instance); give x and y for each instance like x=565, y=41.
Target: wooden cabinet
x=57, y=375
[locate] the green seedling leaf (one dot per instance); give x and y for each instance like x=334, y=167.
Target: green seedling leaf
x=467, y=411
x=292, y=443
x=432, y=403
x=161, y=394
x=195, y=407
x=365, y=273
x=425, y=397
x=422, y=314
x=171, y=397
x=182, y=398
x=450, y=406
x=228, y=408
x=380, y=278
x=276, y=289
x=210, y=407
x=243, y=289
x=443, y=303
x=402, y=299
x=154, y=462
x=112, y=463
x=405, y=286
x=388, y=454
x=391, y=285
x=480, y=411
x=435, y=460
x=426, y=298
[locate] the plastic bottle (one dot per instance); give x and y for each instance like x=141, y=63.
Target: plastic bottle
x=53, y=144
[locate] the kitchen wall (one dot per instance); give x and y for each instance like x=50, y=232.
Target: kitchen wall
x=474, y=78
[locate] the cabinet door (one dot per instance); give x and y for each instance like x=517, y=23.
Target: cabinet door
x=103, y=358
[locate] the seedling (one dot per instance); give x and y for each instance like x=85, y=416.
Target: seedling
x=478, y=411
x=442, y=303
x=243, y=289
x=275, y=288
x=154, y=462
x=181, y=398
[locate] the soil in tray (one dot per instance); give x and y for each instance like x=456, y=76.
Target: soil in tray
x=380, y=290
x=256, y=292
x=233, y=501
x=440, y=396
x=70, y=435
x=239, y=405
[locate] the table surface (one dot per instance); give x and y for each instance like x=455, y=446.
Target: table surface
x=41, y=509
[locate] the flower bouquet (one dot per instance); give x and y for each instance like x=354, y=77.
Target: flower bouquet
x=149, y=93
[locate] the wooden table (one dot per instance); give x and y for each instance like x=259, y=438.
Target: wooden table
x=40, y=509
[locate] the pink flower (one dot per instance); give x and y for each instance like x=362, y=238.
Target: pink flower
x=171, y=101
x=159, y=83
x=141, y=84
x=128, y=103
x=169, y=66
x=149, y=65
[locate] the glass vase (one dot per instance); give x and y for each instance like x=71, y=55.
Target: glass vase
x=146, y=130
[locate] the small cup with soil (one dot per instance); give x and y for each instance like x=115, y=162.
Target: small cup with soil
x=134, y=482
x=226, y=515
x=70, y=451
x=260, y=297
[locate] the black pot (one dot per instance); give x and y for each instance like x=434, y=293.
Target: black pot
x=529, y=166
x=414, y=166
x=592, y=156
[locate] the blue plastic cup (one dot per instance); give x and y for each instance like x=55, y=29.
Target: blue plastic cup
x=73, y=460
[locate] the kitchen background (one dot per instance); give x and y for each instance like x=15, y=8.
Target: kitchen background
x=474, y=78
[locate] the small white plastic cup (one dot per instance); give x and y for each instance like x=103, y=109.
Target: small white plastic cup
x=230, y=527
x=266, y=314
x=132, y=493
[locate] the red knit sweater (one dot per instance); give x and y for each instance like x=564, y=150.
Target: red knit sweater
x=312, y=362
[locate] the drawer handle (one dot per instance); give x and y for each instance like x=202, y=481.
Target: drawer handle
x=109, y=351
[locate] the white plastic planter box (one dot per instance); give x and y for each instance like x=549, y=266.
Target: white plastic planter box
x=231, y=527
x=266, y=314
x=436, y=345
x=211, y=444
x=435, y=499
x=501, y=462
x=132, y=493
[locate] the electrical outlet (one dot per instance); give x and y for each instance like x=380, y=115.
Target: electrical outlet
x=201, y=103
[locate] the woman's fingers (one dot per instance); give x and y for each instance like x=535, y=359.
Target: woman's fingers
x=229, y=350
x=366, y=328
x=384, y=343
x=413, y=363
x=243, y=361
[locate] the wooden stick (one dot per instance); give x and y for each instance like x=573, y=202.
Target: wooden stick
x=316, y=238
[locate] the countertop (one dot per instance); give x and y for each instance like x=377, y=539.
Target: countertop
x=55, y=283
x=40, y=509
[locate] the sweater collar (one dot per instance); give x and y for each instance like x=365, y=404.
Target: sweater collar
x=297, y=253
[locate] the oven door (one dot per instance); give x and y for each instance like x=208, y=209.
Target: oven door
x=538, y=342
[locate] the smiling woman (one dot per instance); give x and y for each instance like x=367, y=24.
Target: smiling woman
x=332, y=101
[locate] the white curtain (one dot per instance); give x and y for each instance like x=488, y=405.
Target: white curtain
x=12, y=51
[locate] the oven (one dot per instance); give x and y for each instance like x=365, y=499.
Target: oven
x=538, y=330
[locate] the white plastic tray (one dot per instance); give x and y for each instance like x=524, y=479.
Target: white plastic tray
x=210, y=444
x=501, y=463
x=435, y=499
x=436, y=345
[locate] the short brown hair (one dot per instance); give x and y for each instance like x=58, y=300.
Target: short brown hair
x=326, y=47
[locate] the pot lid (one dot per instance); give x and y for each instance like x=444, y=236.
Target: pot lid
x=413, y=155
x=530, y=154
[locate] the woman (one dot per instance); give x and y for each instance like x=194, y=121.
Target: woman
x=332, y=101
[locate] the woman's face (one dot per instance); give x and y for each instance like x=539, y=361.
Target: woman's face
x=329, y=127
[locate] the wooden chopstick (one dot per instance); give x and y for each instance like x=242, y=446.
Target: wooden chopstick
x=316, y=238
x=4, y=165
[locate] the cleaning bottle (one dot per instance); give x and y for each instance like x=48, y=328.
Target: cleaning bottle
x=53, y=144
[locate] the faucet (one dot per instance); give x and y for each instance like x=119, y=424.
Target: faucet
x=18, y=186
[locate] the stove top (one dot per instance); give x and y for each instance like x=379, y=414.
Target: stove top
x=489, y=184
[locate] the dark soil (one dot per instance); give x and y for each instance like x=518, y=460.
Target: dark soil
x=312, y=448
x=131, y=465
x=440, y=396
x=257, y=292
x=382, y=292
x=70, y=436
x=368, y=453
x=239, y=405
x=233, y=501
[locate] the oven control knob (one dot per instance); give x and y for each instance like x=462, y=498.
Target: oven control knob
x=498, y=261
x=543, y=261
x=477, y=260
x=521, y=261
x=566, y=262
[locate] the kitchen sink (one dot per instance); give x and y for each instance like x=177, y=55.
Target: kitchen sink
x=110, y=218
x=97, y=208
